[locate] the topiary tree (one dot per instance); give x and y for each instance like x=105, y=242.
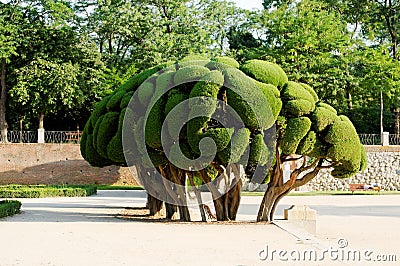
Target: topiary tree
x=200, y=120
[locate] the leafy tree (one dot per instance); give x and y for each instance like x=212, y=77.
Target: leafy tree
x=53, y=68
x=8, y=46
x=146, y=33
x=180, y=118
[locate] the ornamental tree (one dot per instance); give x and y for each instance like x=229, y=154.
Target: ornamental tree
x=200, y=120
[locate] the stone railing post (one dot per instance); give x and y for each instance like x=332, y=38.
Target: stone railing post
x=40, y=135
x=385, y=139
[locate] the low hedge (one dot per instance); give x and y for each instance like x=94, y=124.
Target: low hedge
x=43, y=191
x=9, y=207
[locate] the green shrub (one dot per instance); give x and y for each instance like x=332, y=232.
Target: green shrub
x=311, y=91
x=294, y=91
x=322, y=118
x=247, y=100
x=154, y=124
x=9, y=207
x=193, y=60
x=237, y=147
x=306, y=145
x=134, y=82
x=296, y=129
x=227, y=61
x=126, y=99
x=258, y=151
x=42, y=191
x=107, y=130
x=92, y=156
x=163, y=82
x=145, y=92
x=327, y=106
x=297, y=108
x=221, y=137
x=190, y=74
x=99, y=110
x=265, y=72
x=115, y=100
x=272, y=94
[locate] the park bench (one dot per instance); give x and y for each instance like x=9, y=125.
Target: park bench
x=73, y=136
x=363, y=187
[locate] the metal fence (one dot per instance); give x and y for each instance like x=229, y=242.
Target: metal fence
x=21, y=136
x=394, y=139
x=75, y=137
x=370, y=139
x=49, y=136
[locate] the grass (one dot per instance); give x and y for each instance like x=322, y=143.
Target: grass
x=327, y=193
x=43, y=191
x=9, y=207
x=118, y=187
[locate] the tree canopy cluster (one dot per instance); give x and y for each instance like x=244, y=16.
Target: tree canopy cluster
x=205, y=118
x=346, y=49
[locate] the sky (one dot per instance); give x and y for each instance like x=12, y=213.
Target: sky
x=249, y=4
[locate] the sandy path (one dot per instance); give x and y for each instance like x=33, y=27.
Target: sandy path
x=85, y=231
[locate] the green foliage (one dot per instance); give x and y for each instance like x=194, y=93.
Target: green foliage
x=346, y=148
x=296, y=129
x=134, y=82
x=106, y=130
x=163, y=82
x=265, y=72
x=311, y=91
x=233, y=152
x=154, y=124
x=258, y=151
x=99, y=110
x=190, y=74
x=146, y=91
x=43, y=191
x=307, y=144
x=248, y=101
x=323, y=117
x=227, y=61
x=9, y=207
x=297, y=108
x=115, y=100
x=220, y=136
x=272, y=94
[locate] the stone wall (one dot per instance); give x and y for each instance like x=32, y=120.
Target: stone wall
x=383, y=167
x=54, y=164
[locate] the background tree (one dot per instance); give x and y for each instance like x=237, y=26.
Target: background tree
x=9, y=21
x=74, y=60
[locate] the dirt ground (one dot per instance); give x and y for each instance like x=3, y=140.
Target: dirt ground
x=99, y=230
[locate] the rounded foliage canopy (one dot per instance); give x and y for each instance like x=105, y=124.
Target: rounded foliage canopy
x=218, y=104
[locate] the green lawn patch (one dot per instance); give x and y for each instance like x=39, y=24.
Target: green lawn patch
x=9, y=207
x=118, y=187
x=43, y=191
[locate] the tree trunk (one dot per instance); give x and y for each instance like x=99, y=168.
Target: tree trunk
x=171, y=211
x=3, y=96
x=234, y=200
x=179, y=178
x=219, y=200
x=397, y=121
x=155, y=205
x=41, y=119
x=265, y=213
x=198, y=197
